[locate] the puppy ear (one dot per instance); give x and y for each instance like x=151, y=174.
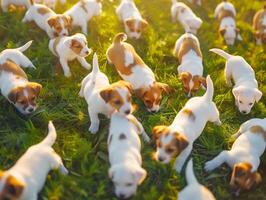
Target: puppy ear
x=185, y=77
x=222, y=31
x=238, y=36
x=36, y=87
x=106, y=94
x=140, y=92
x=201, y=80
x=130, y=22
x=144, y=24
x=258, y=95
x=236, y=92
x=140, y=174
x=181, y=142
x=14, y=187
x=164, y=87
x=258, y=178
x=52, y=21
x=157, y=131
x=127, y=85
x=13, y=95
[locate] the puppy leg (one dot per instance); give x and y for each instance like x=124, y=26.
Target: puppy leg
x=58, y=164
x=65, y=67
x=95, y=122
x=142, y=131
x=181, y=159
x=228, y=75
x=177, y=46
x=84, y=63
x=216, y=162
x=27, y=17
x=23, y=61
x=83, y=84
x=215, y=115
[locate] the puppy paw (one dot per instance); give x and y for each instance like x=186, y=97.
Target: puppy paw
x=94, y=128
x=146, y=138
x=218, y=122
x=67, y=74
x=178, y=168
x=63, y=170
x=209, y=166
x=87, y=66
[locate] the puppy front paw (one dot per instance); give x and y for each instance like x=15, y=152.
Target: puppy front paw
x=87, y=66
x=218, y=122
x=209, y=166
x=94, y=128
x=63, y=170
x=67, y=74
x=146, y=138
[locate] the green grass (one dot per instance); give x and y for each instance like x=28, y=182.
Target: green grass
x=85, y=155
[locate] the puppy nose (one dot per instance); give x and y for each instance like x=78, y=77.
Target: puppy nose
x=161, y=159
x=244, y=112
x=122, y=196
x=153, y=111
x=87, y=52
x=127, y=112
x=30, y=109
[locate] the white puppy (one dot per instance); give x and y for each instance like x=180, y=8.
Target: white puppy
x=176, y=140
x=46, y=19
x=103, y=97
x=259, y=25
x=245, y=90
x=225, y=13
x=69, y=48
x=124, y=154
x=129, y=14
x=244, y=156
x=27, y=177
x=185, y=16
x=190, y=70
x=14, y=84
x=82, y=12
x=50, y=3
x=194, y=190
x=6, y=3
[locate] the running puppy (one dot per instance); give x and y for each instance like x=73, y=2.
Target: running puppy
x=176, y=140
x=190, y=70
x=103, y=97
x=259, y=25
x=82, y=12
x=27, y=177
x=181, y=12
x=245, y=90
x=50, y=3
x=244, y=156
x=133, y=70
x=129, y=14
x=46, y=19
x=6, y=3
x=125, y=171
x=68, y=48
x=14, y=84
x=194, y=190
x=225, y=13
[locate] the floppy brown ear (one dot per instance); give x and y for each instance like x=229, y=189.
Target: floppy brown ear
x=68, y=20
x=157, y=131
x=13, y=95
x=106, y=94
x=127, y=85
x=185, y=77
x=202, y=80
x=164, y=87
x=36, y=87
x=13, y=187
x=222, y=31
x=144, y=24
x=51, y=21
x=140, y=174
x=140, y=92
x=181, y=142
x=258, y=178
x=241, y=169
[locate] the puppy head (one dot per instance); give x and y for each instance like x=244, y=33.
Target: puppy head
x=24, y=98
x=169, y=143
x=78, y=44
x=60, y=24
x=152, y=95
x=192, y=84
x=243, y=178
x=246, y=97
x=134, y=27
x=10, y=187
x=261, y=35
x=118, y=96
x=126, y=178
x=230, y=34
x=194, y=25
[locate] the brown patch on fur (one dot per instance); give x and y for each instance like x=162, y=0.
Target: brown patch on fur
x=9, y=66
x=83, y=6
x=43, y=10
x=76, y=46
x=122, y=136
x=124, y=84
x=111, y=96
x=13, y=189
x=186, y=77
x=158, y=131
x=222, y=31
x=131, y=24
x=258, y=130
x=258, y=25
x=67, y=21
x=189, y=113
x=177, y=145
x=187, y=45
x=225, y=13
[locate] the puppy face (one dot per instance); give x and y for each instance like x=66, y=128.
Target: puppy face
x=134, y=27
x=230, y=34
x=243, y=179
x=261, y=35
x=192, y=83
x=126, y=179
x=78, y=44
x=246, y=97
x=24, y=98
x=11, y=188
x=152, y=96
x=169, y=144
x=60, y=24
x=118, y=95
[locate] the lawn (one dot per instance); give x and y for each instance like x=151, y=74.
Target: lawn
x=86, y=155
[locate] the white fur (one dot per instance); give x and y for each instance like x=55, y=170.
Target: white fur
x=6, y=3
x=33, y=166
x=65, y=53
x=125, y=171
x=80, y=16
x=50, y=3
x=245, y=90
x=185, y=16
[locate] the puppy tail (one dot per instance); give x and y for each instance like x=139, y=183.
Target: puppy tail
x=210, y=89
x=120, y=37
x=51, y=137
x=25, y=46
x=221, y=53
x=190, y=176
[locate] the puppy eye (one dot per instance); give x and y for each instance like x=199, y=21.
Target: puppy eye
x=170, y=150
x=148, y=102
x=129, y=184
x=250, y=104
x=240, y=102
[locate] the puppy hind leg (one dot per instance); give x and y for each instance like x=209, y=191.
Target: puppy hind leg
x=95, y=122
x=84, y=27
x=65, y=67
x=215, y=115
x=58, y=164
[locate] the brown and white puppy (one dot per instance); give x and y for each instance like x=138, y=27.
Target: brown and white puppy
x=244, y=156
x=259, y=25
x=190, y=70
x=132, y=69
x=6, y=3
x=27, y=177
x=46, y=19
x=129, y=14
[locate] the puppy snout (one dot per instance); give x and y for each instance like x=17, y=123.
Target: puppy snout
x=244, y=112
x=127, y=112
x=122, y=196
x=31, y=110
x=161, y=159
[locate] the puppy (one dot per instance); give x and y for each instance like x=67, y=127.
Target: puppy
x=176, y=140
x=68, y=48
x=225, y=13
x=197, y=2
x=125, y=171
x=103, y=97
x=133, y=70
x=46, y=19
x=259, y=25
x=50, y=3
x=14, y=84
x=6, y=3
x=244, y=156
x=194, y=190
x=185, y=16
x=129, y=14
x=245, y=90
x=190, y=70
x=27, y=177
x=82, y=12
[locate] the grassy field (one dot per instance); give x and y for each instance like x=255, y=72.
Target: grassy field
x=85, y=155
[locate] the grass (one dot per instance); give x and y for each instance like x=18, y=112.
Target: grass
x=85, y=155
